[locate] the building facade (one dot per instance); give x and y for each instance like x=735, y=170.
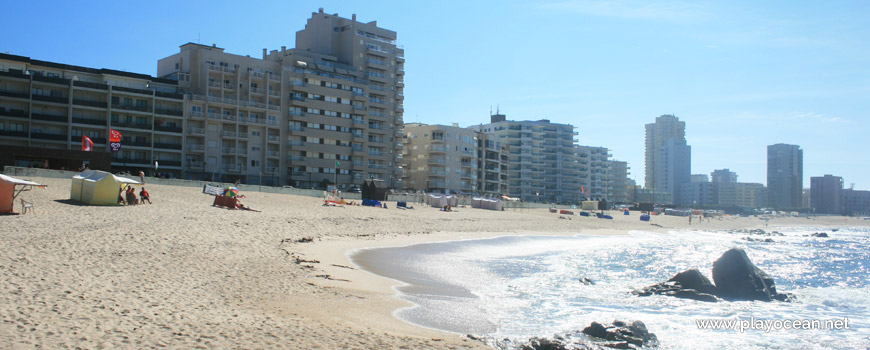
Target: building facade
x=668, y=157
x=542, y=157
x=594, y=172
x=826, y=194
x=328, y=110
x=856, y=202
x=784, y=176
x=46, y=108
x=493, y=165
x=619, y=182
x=723, y=176
x=440, y=159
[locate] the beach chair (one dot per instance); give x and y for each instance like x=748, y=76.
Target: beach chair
x=25, y=205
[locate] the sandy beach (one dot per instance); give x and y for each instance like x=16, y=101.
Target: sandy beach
x=183, y=274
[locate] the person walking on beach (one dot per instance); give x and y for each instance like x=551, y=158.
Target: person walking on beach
x=142, y=176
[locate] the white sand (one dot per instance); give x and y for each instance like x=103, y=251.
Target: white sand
x=183, y=274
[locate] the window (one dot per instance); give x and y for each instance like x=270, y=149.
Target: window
x=37, y=91
x=254, y=164
x=56, y=93
x=176, y=66
x=128, y=101
x=196, y=109
x=255, y=148
x=141, y=121
x=255, y=133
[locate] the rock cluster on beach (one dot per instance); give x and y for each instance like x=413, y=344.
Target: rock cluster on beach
x=735, y=277
x=617, y=335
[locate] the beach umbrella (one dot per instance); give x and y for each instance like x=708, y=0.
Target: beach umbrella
x=231, y=192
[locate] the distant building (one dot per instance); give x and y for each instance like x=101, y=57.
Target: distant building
x=594, y=172
x=440, y=158
x=826, y=194
x=856, y=202
x=619, y=182
x=493, y=165
x=699, y=178
x=784, y=176
x=646, y=195
x=724, y=176
x=668, y=157
x=542, y=157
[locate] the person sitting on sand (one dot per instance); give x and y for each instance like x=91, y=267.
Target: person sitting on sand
x=446, y=208
x=131, y=196
x=144, y=196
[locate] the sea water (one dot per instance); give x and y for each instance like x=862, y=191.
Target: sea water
x=518, y=287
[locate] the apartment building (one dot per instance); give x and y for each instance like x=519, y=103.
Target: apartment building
x=619, y=182
x=594, y=167
x=440, y=158
x=46, y=108
x=328, y=110
x=785, y=164
x=826, y=194
x=542, y=158
x=493, y=164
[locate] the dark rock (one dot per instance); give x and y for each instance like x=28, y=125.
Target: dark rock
x=689, y=284
x=620, y=335
x=820, y=234
x=587, y=281
x=738, y=279
x=596, y=330
x=545, y=344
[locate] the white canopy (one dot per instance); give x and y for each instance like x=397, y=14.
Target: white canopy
x=18, y=181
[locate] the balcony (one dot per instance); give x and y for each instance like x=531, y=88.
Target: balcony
x=296, y=143
x=273, y=154
x=172, y=163
x=52, y=80
x=196, y=148
x=228, y=117
x=137, y=161
x=195, y=165
x=90, y=103
x=213, y=115
x=168, y=111
x=437, y=161
x=437, y=173
x=13, y=133
x=14, y=73
x=132, y=125
x=90, y=85
x=437, y=149
x=53, y=99
x=197, y=115
x=195, y=131
x=96, y=140
x=272, y=138
x=132, y=90
x=80, y=120
x=14, y=113
x=377, y=166
x=228, y=151
x=173, y=129
x=47, y=136
x=127, y=107
x=228, y=133
x=16, y=94
x=375, y=153
x=171, y=95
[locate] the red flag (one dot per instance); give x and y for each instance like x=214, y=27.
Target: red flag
x=114, y=135
x=582, y=189
x=87, y=144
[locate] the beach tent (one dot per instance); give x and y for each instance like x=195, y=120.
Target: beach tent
x=487, y=203
x=97, y=187
x=8, y=191
x=374, y=189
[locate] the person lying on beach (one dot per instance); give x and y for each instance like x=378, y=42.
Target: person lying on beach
x=241, y=206
x=446, y=208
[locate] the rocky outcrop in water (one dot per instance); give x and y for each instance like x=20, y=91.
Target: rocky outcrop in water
x=689, y=284
x=820, y=234
x=735, y=278
x=621, y=335
x=617, y=335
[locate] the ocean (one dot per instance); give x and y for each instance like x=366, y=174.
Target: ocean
x=518, y=287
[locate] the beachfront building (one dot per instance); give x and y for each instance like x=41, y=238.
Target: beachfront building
x=699, y=178
x=784, y=176
x=440, y=158
x=856, y=202
x=645, y=195
x=46, y=108
x=330, y=109
x=723, y=176
x=594, y=172
x=493, y=165
x=826, y=194
x=542, y=157
x=668, y=157
x=618, y=182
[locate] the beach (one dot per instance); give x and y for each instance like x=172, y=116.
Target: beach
x=183, y=274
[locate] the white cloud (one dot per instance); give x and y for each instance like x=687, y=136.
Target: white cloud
x=636, y=9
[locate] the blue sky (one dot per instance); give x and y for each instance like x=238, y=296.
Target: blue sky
x=741, y=74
